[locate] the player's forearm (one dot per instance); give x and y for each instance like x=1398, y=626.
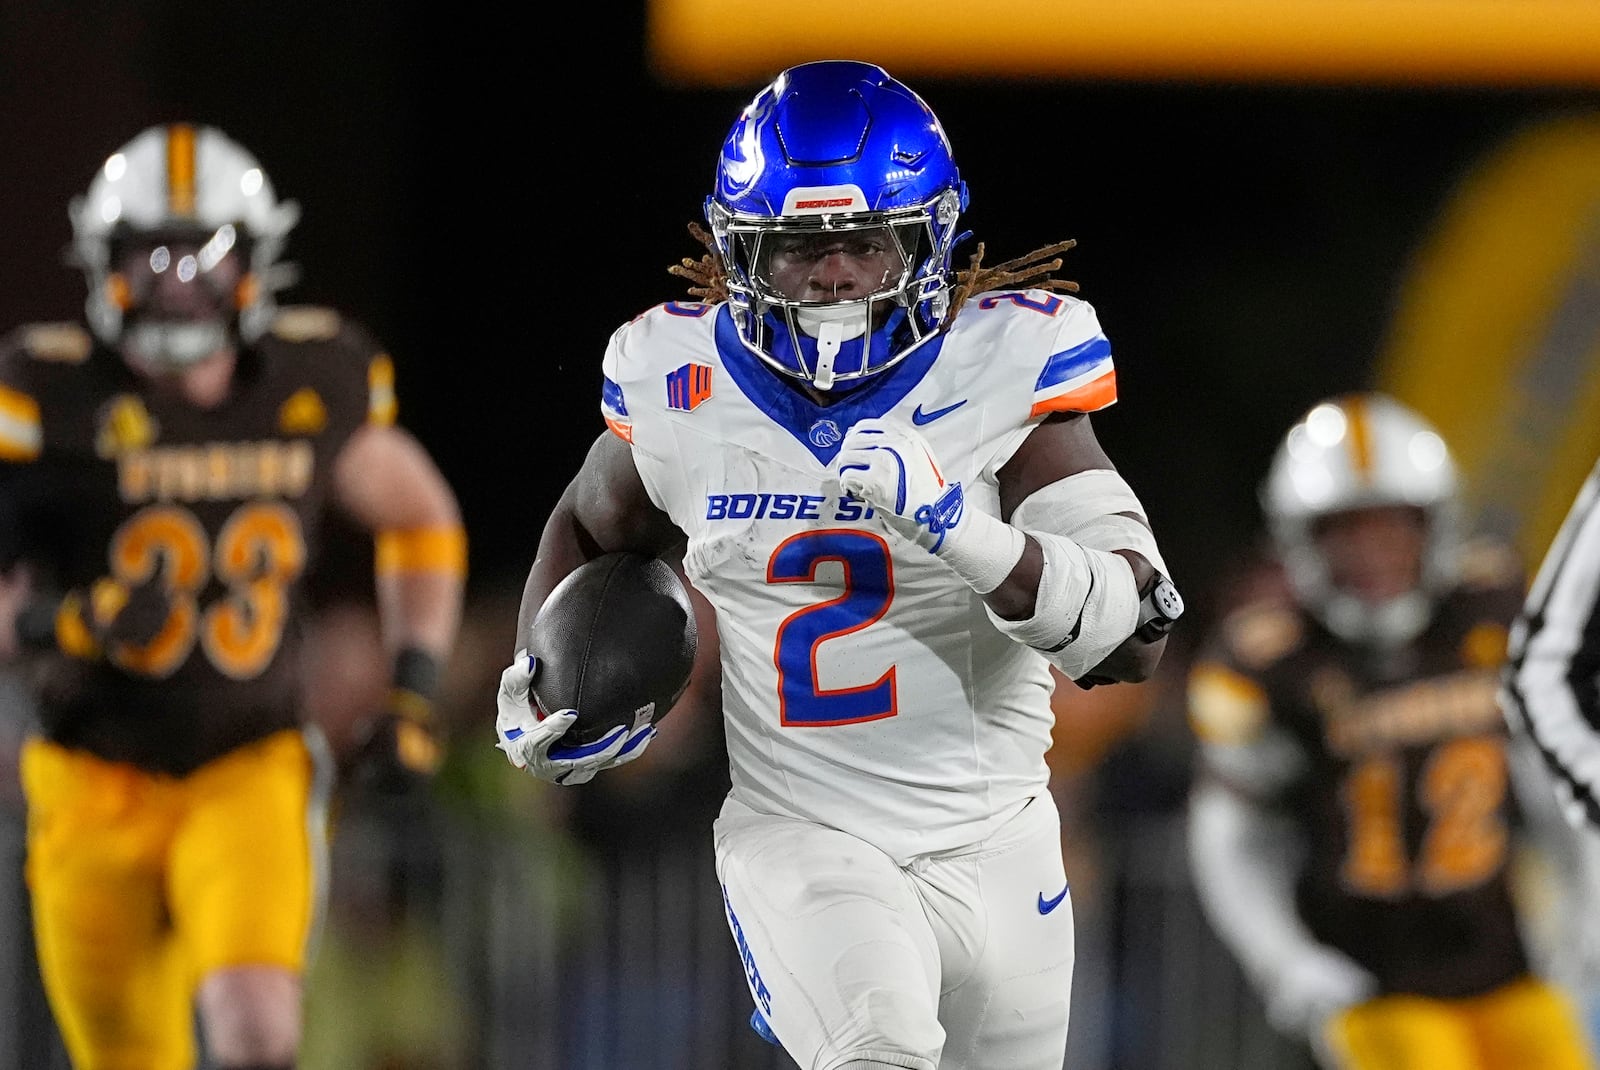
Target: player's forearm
x=564, y=545
x=1017, y=596
x=1075, y=593
x=421, y=581
x=420, y=569
x=1243, y=860
x=1102, y=616
x=421, y=610
x=604, y=509
x=1018, y=593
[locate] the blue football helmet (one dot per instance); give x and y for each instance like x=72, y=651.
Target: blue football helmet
x=836, y=160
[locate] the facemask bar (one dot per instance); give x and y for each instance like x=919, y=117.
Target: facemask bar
x=816, y=334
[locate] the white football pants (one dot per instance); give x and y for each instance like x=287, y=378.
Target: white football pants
x=960, y=960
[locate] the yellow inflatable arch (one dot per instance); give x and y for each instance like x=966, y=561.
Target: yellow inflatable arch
x=1496, y=334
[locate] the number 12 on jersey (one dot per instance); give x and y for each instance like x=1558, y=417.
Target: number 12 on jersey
x=868, y=588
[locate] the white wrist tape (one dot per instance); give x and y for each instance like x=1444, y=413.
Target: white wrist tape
x=1087, y=605
x=983, y=550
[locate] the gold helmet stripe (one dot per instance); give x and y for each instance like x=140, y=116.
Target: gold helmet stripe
x=1360, y=438
x=180, y=169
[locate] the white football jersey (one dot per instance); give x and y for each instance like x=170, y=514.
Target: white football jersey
x=863, y=685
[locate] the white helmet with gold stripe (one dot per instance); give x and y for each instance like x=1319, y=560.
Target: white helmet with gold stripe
x=182, y=181
x=1347, y=453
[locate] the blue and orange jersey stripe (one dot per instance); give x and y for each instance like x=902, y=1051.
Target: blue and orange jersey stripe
x=1080, y=379
x=615, y=410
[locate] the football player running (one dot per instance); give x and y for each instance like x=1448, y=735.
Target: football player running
x=166, y=474
x=894, y=500
x=1352, y=820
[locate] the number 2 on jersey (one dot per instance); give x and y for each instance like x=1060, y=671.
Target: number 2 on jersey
x=868, y=588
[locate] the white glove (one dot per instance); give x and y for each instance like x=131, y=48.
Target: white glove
x=891, y=467
x=531, y=742
x=1313, y=987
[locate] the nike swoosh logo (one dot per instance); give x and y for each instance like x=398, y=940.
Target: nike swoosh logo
x=1047, y=905
x=919, y=417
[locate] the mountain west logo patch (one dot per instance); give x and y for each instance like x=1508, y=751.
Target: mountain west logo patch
x=688, y=387
x=303, y=413
x=125, y=426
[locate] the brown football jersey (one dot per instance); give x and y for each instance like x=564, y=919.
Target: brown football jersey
x=108, y=477
x=1398, y=780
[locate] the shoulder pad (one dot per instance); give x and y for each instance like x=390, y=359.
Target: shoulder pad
x=1260, y=634
x=307, y=323
x=1225, y=706
x=56, y=343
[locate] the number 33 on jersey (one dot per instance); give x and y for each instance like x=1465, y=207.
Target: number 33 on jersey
x=108, y=480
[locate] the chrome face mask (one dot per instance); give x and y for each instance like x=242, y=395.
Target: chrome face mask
x=830, y=299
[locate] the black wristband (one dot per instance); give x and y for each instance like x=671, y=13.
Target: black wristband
x=417, y=671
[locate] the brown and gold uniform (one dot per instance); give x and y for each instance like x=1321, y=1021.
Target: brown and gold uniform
x=175, y=805
x=1393, y=768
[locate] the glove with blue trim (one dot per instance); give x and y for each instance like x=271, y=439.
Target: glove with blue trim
x=532, y=742
x=891, y=467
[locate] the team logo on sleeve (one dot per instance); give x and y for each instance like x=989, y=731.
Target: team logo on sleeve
x=688, y=387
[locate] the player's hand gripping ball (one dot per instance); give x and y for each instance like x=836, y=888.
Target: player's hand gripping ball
x=609, y=653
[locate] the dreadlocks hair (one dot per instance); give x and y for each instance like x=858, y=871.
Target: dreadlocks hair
x=706, y=277
x=709, y=283
x=1034, y=269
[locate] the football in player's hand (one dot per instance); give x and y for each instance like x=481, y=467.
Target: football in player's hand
x=616, y=641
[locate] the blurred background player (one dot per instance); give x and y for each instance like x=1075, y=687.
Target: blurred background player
x=1353, y=817
x=168, y=474
x=896, y=505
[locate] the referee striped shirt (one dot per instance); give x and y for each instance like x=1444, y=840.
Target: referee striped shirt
x=1552, y=680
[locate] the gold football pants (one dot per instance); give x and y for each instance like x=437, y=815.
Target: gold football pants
x=142, y=884
x=1525, y=1025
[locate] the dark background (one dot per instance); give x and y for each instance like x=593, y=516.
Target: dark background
x=494, y=202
